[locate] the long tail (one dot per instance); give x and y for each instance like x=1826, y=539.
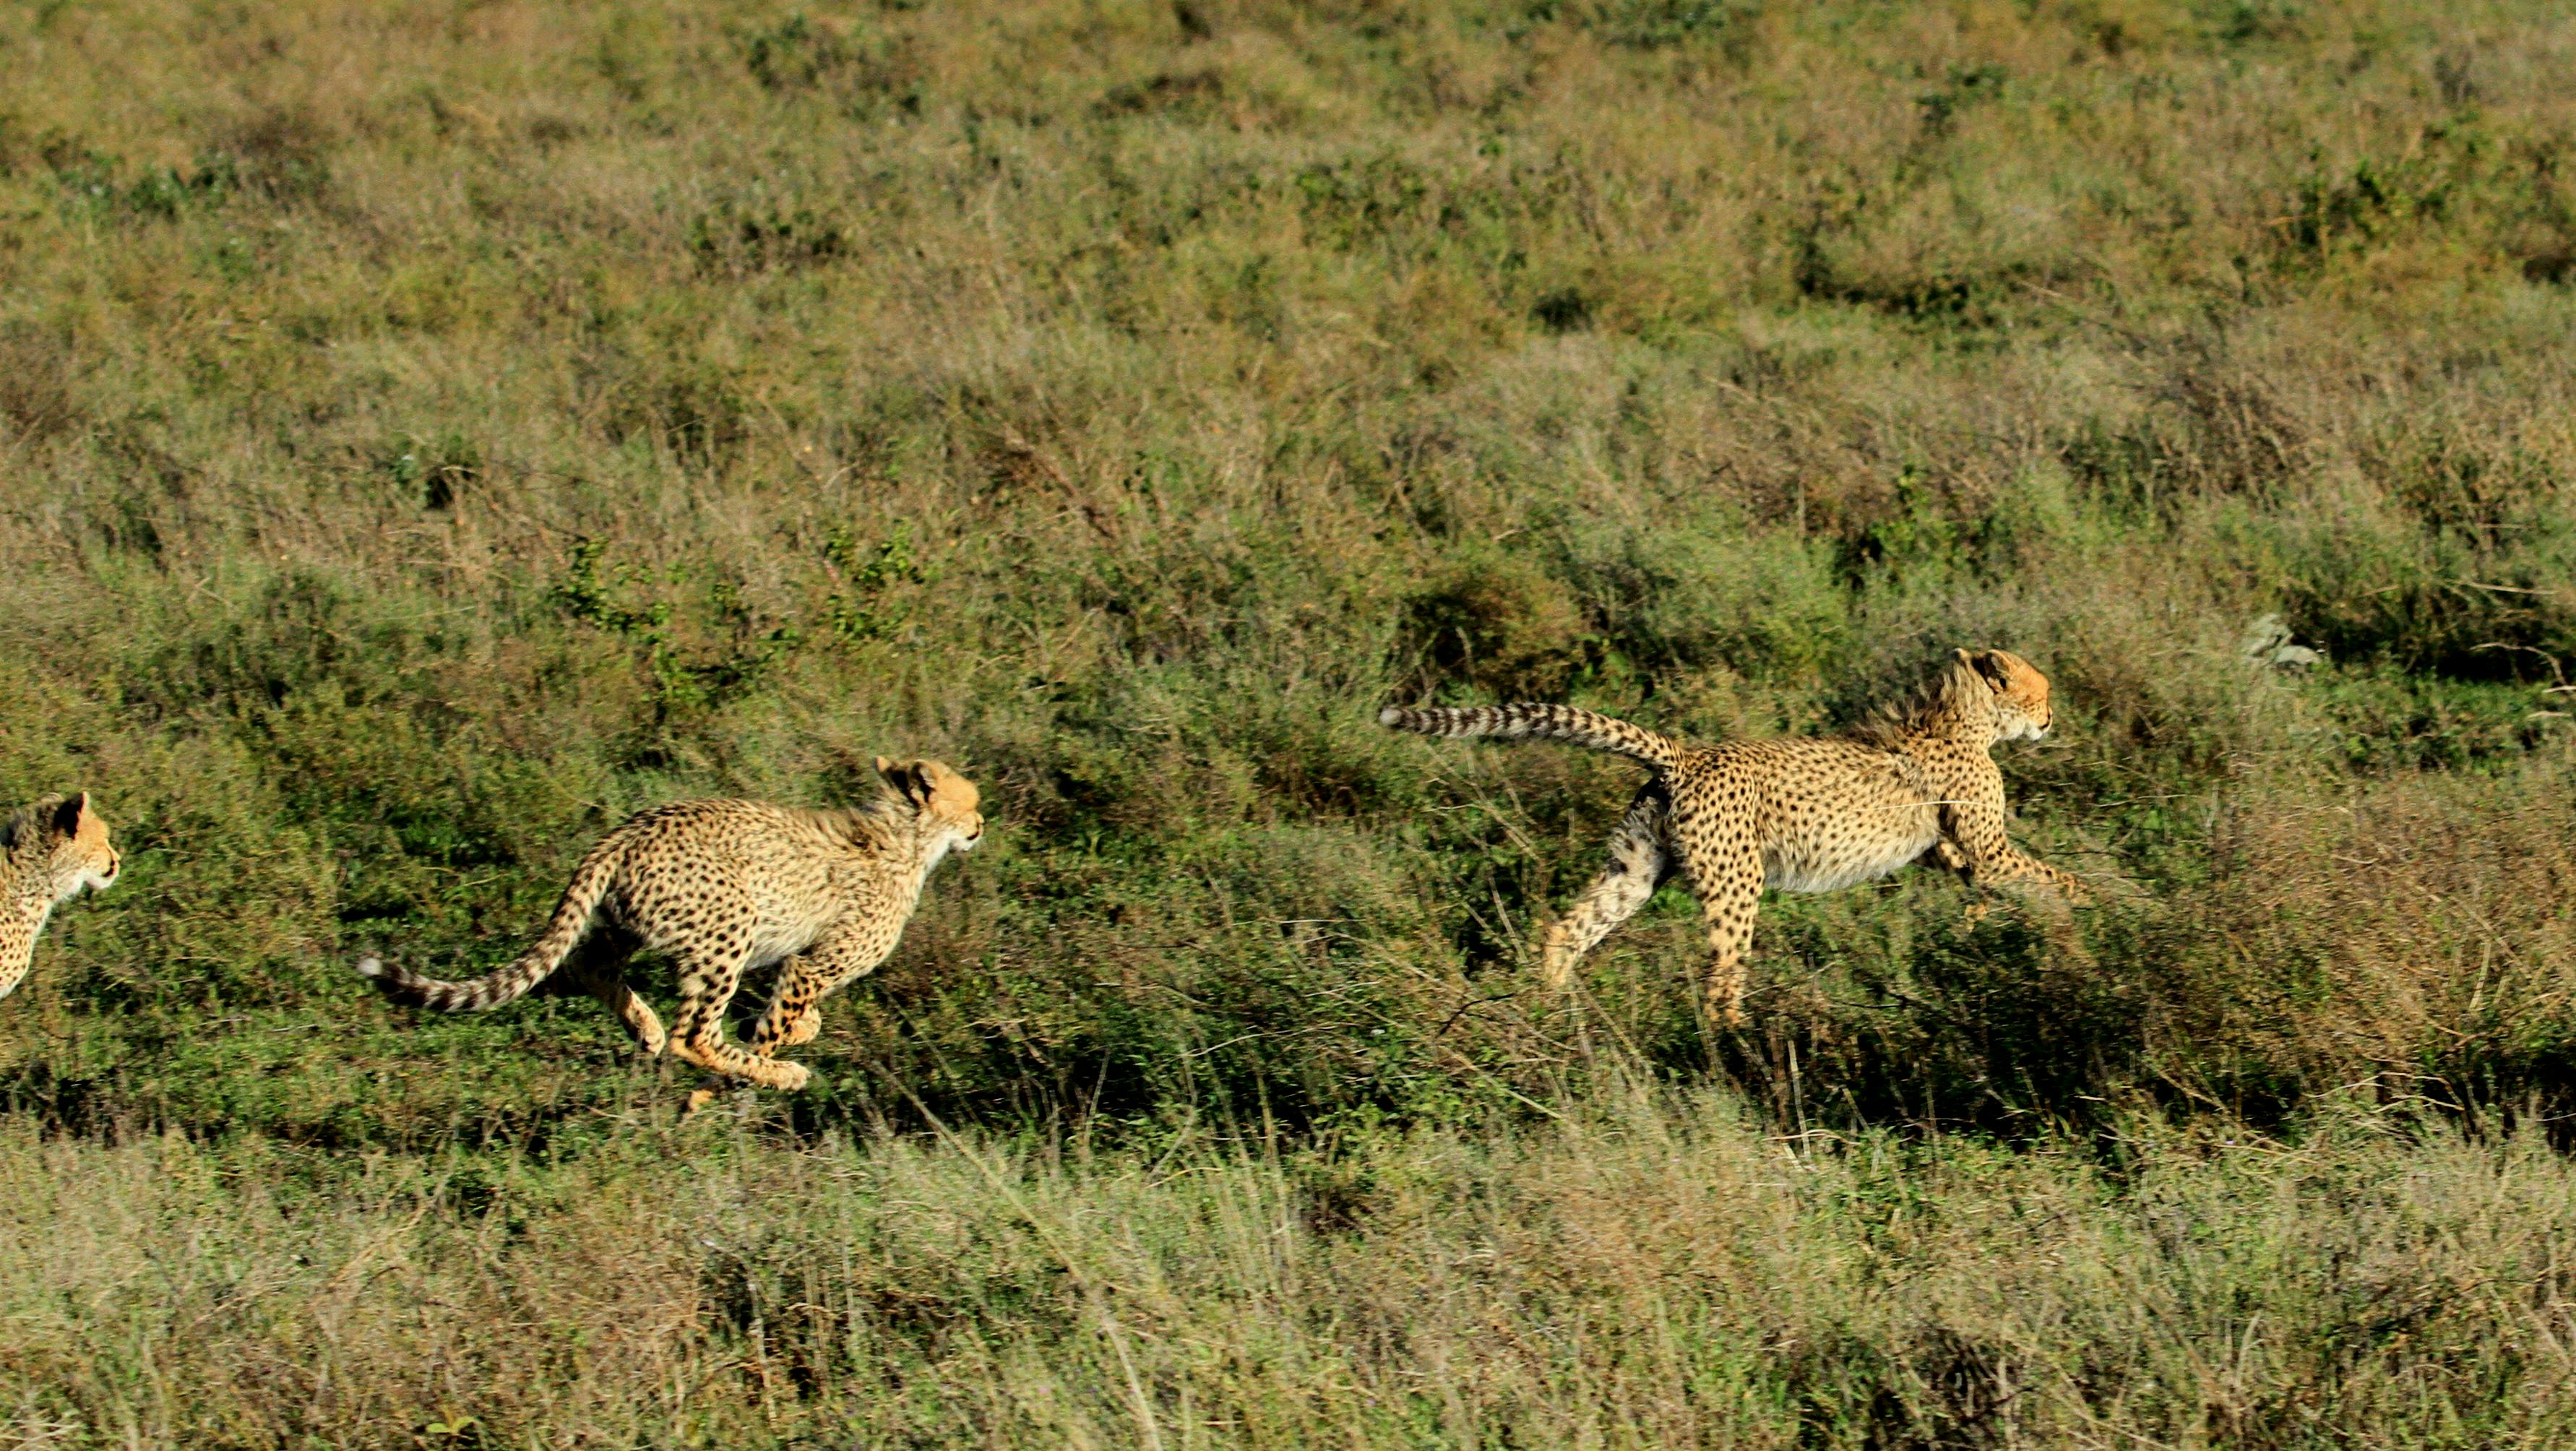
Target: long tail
x=564, y=932
x=1557, y=722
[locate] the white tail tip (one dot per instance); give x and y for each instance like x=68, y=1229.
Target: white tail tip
x=1389, y=716
x=371, y=966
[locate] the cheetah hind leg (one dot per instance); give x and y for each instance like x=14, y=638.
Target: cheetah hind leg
x=707, y=1093
x=598, y=967
x=1638, y=864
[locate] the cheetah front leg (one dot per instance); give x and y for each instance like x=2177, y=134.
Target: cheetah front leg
x=1638, y=864
x=710, y=973
x=795, y=1012
x=1983, y=855
x=1725, y=870
x=1991, y=861
x=1946, y=855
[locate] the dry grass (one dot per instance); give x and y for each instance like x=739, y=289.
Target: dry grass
x=1649, y=1272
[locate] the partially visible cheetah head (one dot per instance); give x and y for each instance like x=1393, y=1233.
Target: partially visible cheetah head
x=944, y=802
x=2019, y=692
x=71, y=842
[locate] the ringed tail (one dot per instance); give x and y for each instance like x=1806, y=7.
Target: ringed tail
x=1555, y=722
x=564, y=932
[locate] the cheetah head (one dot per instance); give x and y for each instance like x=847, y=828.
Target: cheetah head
x=944, y=802
x=2020, y=693
x=73, y=841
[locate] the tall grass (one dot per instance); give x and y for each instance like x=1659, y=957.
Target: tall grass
x=428, y=435
x=1648, y=1271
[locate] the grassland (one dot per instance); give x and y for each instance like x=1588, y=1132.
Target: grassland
x=428, y=434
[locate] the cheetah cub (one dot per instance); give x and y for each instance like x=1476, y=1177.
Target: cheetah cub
x=48, y=853
x=1915, y=783
x=727, y=886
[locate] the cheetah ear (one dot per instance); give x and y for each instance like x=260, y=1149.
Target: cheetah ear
x=906, y=778
x=1989, y=664
x=67, y=817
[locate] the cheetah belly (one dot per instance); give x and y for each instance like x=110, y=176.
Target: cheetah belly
x=776, y=941
x=794, y=901
x=1828, y=866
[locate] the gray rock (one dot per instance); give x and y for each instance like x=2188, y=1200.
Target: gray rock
x=2267, y=643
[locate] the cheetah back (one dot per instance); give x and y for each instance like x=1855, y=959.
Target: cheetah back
x=696, y=871
x=1825, y=813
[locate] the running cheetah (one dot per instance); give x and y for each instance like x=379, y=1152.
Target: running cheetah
x=1912, y=784
x=727, y=886
x=48, y=852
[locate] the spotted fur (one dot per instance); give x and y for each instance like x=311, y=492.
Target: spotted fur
x=1914, y=783
x=724, y=887
x=48, y=852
